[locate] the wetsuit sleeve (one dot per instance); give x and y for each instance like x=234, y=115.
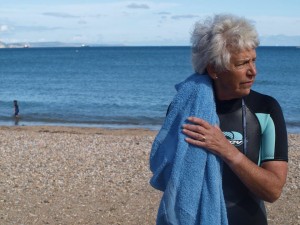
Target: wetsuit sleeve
x=274, y=146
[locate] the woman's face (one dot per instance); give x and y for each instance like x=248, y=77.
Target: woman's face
x=237, y=81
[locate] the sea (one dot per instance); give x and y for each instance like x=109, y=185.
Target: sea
x=122, y=87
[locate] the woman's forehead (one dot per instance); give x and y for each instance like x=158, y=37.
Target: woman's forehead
x=243, y=54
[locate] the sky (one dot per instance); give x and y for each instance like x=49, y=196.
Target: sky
x=138, y=22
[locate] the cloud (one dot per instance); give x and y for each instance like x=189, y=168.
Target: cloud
x=99, y=15
x=78, y=37
x=179, y=17
x=82, y=22
x=60, y=15
x=138, y=6
x=4, y=28
x=37, y=28
x=164, y=13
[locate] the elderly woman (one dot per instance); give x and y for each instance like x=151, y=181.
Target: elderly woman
x=251, y=139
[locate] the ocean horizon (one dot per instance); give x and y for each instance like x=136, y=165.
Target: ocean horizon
x=121, y=87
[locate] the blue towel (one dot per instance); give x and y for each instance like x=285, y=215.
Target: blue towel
x=189, y=176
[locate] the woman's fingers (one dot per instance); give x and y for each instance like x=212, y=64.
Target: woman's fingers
x=194, y=128
x=195, y=142
x=196, y=131
x=200, y=133
x=199, y=121
x=194, y=135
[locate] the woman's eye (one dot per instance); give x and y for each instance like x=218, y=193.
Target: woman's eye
x=241, y=64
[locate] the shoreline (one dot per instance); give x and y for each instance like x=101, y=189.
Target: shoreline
x=81, y=130
x=92, y=129
x=80, y=175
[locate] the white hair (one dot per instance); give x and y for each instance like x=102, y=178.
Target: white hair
x=215, y=38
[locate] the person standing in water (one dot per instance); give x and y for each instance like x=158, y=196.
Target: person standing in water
x=16, y=109
x=16, y=112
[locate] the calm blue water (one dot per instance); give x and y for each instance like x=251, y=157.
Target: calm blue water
x=121, y=86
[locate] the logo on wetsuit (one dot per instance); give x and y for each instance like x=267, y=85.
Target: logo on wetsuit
x=235, y=138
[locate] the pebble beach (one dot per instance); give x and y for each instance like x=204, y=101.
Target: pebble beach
x=93, y=176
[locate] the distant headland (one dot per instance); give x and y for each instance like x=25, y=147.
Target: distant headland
x=48, y=45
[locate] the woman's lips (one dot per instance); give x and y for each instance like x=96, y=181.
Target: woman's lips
x=247, y=83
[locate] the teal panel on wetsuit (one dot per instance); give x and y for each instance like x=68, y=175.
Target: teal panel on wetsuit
x=268, y=136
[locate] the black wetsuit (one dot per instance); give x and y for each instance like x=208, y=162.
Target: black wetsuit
x=266, y=141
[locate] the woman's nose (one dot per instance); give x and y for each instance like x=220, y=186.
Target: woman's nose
x=252, y=69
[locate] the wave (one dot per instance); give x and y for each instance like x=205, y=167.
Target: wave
x=293, y=126
x=100, y=121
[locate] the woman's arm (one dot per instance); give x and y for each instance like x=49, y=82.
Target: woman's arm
x=266, y=182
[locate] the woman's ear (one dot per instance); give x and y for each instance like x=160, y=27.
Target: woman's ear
x=211, y=72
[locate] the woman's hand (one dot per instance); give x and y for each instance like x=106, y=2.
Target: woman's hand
x=202, y=134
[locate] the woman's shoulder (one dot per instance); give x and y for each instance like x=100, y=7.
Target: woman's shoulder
x=261, y=97
x=261, y=102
